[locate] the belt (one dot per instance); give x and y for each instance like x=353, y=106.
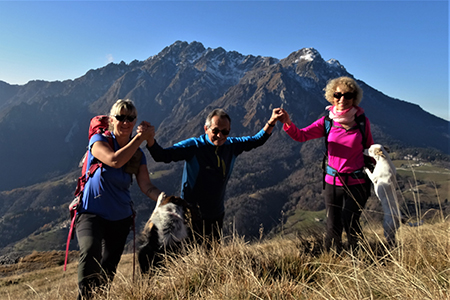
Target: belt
x=358, y=174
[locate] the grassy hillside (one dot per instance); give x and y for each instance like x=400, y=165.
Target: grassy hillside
x=423, y=192
x=280, y=268
x=428, y=181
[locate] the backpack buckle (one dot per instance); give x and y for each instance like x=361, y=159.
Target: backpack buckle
x=331, y=171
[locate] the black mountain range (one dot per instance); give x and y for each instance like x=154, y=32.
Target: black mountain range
x=43, y=129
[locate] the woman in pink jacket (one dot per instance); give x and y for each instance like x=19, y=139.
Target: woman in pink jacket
x=345, y=190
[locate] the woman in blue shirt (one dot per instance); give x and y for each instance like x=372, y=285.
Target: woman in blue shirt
x=106, y=213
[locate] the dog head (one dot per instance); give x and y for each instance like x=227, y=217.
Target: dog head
x=172, y=201
x=171, y=207
x=169, y=219
x=377, y=151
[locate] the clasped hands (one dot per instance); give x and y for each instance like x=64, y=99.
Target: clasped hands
x=279, y=114
x=147, y=132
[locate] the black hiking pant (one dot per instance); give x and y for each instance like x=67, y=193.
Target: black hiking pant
x=101, y=244
x=344, y=205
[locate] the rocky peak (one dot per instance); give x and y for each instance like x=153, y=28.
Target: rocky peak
x=308, y=63
x=302, y=56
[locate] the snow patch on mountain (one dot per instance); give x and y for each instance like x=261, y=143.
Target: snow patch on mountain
x=229, y=67
x=308, y=54
x=334, y=63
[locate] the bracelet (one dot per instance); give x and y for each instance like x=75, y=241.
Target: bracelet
x=271, y=125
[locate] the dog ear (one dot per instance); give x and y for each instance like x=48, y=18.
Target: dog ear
x=387, y=149
x=169, y=199
x=180, y=201
x=161, y=197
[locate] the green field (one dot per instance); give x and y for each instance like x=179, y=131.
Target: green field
x=426, y=181
x=302, y=220
x=159, y=174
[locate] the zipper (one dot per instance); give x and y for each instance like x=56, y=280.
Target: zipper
x=220, y=162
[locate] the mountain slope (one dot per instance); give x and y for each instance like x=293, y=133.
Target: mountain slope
x=43, y=127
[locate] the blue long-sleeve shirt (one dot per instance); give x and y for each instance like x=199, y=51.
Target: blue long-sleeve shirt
x=207, y=167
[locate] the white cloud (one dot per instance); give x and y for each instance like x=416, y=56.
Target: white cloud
x=109, y=58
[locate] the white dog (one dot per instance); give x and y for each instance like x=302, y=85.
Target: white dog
x=384, y=183
x=164, y=231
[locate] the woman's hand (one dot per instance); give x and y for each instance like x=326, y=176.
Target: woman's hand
x=284, y=117
x=147, y=132
x=276, y=114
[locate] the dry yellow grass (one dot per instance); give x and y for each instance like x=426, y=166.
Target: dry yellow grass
x=282, y=268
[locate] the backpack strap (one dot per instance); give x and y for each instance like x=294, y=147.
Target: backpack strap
x=328, y=124
x=361, y=123
x=108, y=135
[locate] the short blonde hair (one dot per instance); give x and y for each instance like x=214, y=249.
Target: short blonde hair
x=348, y=83
x=120, y=104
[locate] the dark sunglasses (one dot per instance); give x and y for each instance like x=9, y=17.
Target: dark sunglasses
x=223, y=131
x=121, y=118
x=347, y=96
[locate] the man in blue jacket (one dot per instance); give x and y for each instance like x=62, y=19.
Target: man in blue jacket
x=209, y=161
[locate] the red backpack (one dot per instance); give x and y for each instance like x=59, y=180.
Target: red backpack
x=99, y=125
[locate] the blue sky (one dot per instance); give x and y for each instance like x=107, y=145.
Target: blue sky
x=398, y=47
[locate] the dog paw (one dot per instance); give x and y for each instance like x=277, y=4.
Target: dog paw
x=161, y=196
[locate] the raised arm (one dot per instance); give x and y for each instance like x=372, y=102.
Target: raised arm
x=183, y=150
x=276, y=114
x=101, y=150
x=313, y=131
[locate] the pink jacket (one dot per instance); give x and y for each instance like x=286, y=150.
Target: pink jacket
x=345, y=149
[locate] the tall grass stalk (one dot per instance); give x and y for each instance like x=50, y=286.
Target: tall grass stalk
x=281, y=268
x=288, y=268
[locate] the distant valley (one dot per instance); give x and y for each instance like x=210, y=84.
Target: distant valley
x=175, y=90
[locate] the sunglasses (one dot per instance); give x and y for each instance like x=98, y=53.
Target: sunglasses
x=347, y=96
x=223, y=131
x=121, y=118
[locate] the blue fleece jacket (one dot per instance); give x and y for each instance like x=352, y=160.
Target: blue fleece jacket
x=207, y=167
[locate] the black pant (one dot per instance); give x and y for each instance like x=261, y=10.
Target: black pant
x=101, y=245
x=344, y=206
x=208, y=230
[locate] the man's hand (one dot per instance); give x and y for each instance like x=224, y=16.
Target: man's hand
x=284, y=117
x=147, y=131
